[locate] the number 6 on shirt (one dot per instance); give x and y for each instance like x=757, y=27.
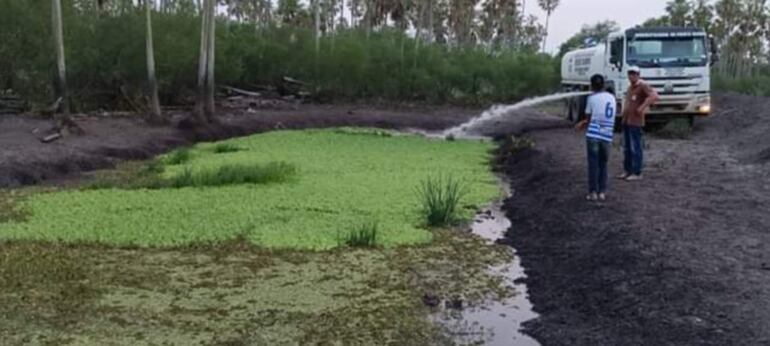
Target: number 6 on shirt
x=609, y=111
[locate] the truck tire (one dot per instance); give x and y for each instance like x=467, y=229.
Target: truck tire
x=570, y=109
x=581, y=106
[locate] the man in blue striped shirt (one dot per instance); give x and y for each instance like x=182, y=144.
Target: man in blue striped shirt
x=600, y=119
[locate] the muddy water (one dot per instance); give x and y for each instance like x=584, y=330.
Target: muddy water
x=495, y=322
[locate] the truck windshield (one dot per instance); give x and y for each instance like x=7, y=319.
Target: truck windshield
x=667, y=52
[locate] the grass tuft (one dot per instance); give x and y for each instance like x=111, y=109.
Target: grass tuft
x=153, y=168
x=440, y=199
x=178, y=157
x=223, y=148
x=364, y=236
x=235, y=174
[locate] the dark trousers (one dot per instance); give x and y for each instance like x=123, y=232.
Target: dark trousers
x=598, y=155
x=633, y=149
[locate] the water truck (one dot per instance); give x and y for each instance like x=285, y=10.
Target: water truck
x=674, y=61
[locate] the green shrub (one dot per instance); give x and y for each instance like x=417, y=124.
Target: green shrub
x=178, y=157
x=756, y=85
x=153, y=168
x=223, y=148
x=234, y=174
x=440, y=197
x=364, y=236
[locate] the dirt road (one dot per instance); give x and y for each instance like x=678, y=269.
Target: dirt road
x=681, y=258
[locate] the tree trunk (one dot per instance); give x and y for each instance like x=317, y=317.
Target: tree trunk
x=368, y=18
x=198, y=112
x=547, y=22
x=210, y=59
x=431, y=29
x=155, y=114
x=418, y=34
x=61, y=67
x=338, y=26
x=317, y=20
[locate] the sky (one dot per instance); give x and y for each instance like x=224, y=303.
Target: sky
x=573, y=14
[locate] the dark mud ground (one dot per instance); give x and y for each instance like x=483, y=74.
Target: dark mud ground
x=680, y=258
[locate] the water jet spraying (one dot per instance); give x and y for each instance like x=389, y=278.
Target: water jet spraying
x=500, y=111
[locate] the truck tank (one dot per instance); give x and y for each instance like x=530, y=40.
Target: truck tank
x=578, y=66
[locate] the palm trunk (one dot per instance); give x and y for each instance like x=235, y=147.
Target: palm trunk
x=333, y=31
x=317, y=15
x=210, y=59
x=198, y=112
x=431, y=29
x=368, y=17
x=155, y=114
x=418, y=34
x=61, y=67
x=547, y=22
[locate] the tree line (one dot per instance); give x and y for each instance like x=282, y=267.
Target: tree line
x=140, y=54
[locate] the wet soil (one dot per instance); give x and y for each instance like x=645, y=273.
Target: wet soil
x=237, y=294
x=493, y=322
x=680, y=258
x=24, y=160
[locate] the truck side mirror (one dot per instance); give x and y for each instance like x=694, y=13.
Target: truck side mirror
x=615, y=61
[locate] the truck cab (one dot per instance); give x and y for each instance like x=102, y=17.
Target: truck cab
x=674, y=61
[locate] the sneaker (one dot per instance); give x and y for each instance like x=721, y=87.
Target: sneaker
x=634, y=177
x=623, y=176
x=592, y=197
x=602, y=197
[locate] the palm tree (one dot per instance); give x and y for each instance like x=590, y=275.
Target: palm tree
x=548, y=6
x=679, y=12
x=155, y=114
x=461, y=20
x=61, y=67
x=204, y=107
x=210, y=83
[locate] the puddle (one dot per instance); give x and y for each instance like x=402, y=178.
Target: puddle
x=495, y=323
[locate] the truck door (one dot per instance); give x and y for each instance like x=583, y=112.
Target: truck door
x=616, y=78
x=615, y=64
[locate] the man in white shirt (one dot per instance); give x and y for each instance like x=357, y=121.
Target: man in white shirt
x=600, y=120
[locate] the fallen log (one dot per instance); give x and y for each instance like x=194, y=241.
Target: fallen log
x=241, y=91
x=293, y=81
x=52, y=137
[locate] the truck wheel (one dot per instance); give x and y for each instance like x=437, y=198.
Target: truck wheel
x=571, y=109
x=581, y=106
